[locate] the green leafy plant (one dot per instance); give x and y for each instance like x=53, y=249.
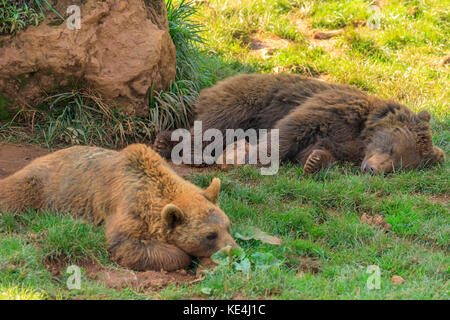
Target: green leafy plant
x=237, y=259
x=82, y=117
x=15, y=15
x=186, y=35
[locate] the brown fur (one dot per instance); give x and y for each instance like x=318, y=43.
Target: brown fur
x=153, y=218
x=320, y=123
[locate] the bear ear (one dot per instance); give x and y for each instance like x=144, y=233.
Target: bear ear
x=172, y=215
x=424, y=115
x=212, y=192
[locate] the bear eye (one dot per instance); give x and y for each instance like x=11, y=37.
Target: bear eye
x=212, y=236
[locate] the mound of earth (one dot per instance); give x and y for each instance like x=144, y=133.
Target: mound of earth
x=148, y=281
x=122, y=50
x=139, y=281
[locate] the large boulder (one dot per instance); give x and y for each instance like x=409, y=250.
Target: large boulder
x=122, y=50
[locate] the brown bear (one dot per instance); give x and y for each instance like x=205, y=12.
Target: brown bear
x=319, y=123
x=153, y=218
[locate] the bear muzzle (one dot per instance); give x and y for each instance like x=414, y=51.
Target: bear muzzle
x=377, y=163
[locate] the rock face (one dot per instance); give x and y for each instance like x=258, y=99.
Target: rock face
x=122, y=50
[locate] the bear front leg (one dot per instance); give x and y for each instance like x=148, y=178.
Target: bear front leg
x=141, y=255
x=130, y=246
x=317, y=159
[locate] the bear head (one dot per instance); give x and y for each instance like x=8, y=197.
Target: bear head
x=195, y=223
x=404, y=143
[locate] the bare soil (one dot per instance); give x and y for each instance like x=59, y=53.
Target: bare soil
x=148, y=281
x=375, y=221
x=139, y=281
x=443, y=199
x=264, y=47
x=14, y=157
x=321, y=39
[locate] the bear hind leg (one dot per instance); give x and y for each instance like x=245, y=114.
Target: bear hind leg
x=318, y=159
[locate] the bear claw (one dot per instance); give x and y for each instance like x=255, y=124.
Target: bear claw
x=317, y=160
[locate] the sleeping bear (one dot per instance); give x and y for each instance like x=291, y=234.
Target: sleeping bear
x=153, y=218
x=319, y=123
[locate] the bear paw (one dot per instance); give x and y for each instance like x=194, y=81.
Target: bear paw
x=317, y=160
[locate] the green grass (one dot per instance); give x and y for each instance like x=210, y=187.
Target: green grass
x=29, y=241
x=325, y=249
x=16, y=15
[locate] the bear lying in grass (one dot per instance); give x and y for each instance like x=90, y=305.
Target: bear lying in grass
x=153, y=218
x=319, y=123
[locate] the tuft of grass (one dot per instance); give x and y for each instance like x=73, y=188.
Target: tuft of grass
x=17, y=15
x=73, y=240
x=20, y=293
x=173, y=108
x=82, y=118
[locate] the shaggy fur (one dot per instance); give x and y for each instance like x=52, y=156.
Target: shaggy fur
x=320, y=123
x=153, y=218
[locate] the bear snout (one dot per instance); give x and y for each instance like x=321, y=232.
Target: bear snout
x=369, y=168
x=377, y=163
x=232, y=243
x=227, y=241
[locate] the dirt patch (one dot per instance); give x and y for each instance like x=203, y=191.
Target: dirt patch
x=375, y=221
x=319, y=39
x=442, y=199
x=148, y=281
x=309, y=265
x=14, y=157
x=139, y=281
x=264, y=47
x=304, y=264
x=258, y=43
x=55, y=266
